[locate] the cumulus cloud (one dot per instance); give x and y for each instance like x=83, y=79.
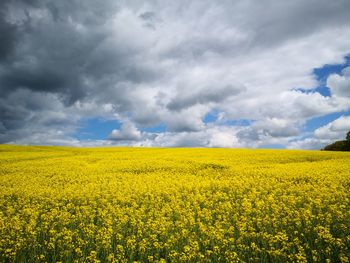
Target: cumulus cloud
x=127, y=132
x=169, y=63
x=276, y=127
x=8, y=33
x=205, y=95
x=335, y=130
x=308, y=144
x=340, y=84
x=209, y=136
x=223, y=138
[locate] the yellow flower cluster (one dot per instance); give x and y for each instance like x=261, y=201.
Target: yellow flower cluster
x=61, y=204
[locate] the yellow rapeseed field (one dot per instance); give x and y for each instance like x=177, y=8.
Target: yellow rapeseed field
x=60, y=204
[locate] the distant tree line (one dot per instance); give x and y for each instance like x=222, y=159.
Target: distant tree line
x=339, y=145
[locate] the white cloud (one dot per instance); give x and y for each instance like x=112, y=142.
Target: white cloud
x=189, y=119
x=335, y=130
x=224, y=138
x=308, y=144
x=276, y=127
x=340, y=84
x=209, y=136
x=127, y=132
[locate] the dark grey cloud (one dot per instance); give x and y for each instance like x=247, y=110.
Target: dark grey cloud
x=150, y=19
x=13, y=116
x=203, y=96
x=59, y=44
x=59, y=48
x=7, y=33
x=147, y=16
x=280, y=21
x=47, y=55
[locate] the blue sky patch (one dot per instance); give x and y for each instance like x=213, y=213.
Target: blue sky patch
x=155, y=129
x=322, y=73
x=212, y=116
x=96, y=129
x=315, y=123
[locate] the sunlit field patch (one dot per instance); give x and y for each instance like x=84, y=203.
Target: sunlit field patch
x=173, y=205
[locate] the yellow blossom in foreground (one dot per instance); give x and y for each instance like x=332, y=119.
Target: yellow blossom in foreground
x=60, y=204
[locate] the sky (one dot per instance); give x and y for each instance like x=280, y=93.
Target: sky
x=241, y=74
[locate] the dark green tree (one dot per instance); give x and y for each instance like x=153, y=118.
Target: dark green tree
x=340, y=145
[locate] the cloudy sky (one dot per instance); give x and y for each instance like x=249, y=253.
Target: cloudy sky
x=266, y=74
